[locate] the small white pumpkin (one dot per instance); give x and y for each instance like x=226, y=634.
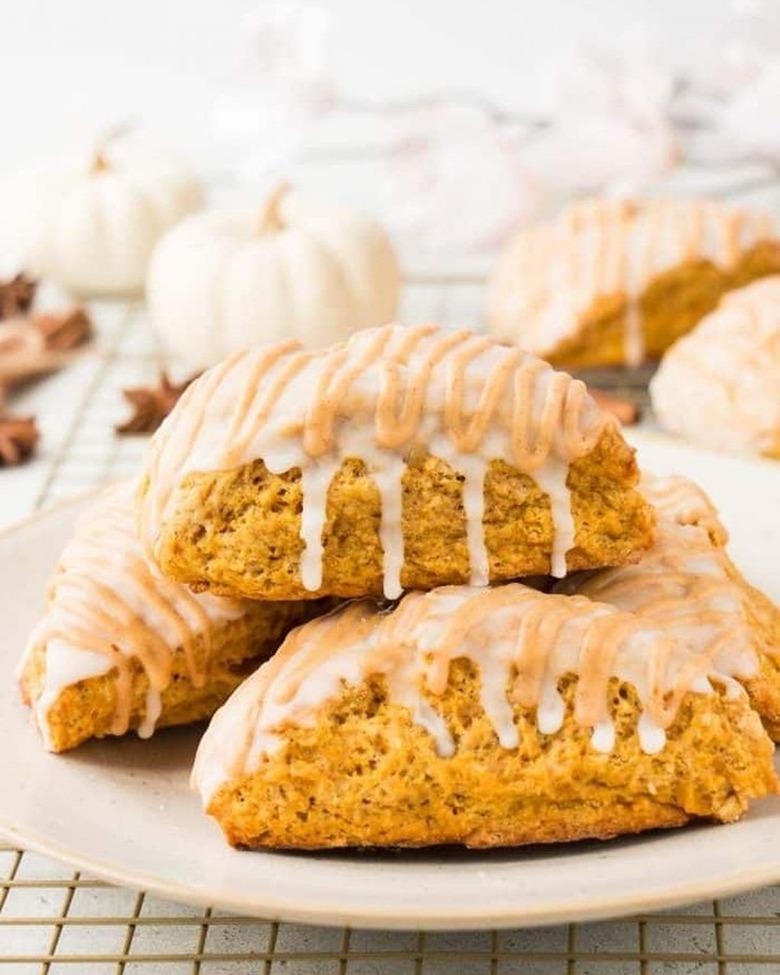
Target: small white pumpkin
x=300, y=269
x=92, y=228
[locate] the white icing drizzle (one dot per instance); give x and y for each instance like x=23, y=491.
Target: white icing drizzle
x=388, y=479
x=651, y=736
x=109, y=606
x=634, y=335
x=521, y=641
x=152, y=711
x=603, y=737
x=63, y=668
x=684, y=585
x=551, y=276
x=315, y=480
x=386, y=392
x=720, y=384
x=552, y=480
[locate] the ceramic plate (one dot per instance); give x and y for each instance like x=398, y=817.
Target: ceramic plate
x=122, y=809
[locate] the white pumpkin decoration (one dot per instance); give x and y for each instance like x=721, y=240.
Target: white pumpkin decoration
x=301, y=269
x=92, y=228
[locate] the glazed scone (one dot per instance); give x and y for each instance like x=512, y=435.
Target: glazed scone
x=618, y=281
x=483, y=717
x=120, y=647
x=404, y=459
x=687, y=585
x=720, y=384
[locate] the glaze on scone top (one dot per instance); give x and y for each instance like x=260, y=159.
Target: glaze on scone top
x=522, y=641
x=388, y=391
x=688, y=587
x=109, y=608
x=551, y=276
x=720, y=384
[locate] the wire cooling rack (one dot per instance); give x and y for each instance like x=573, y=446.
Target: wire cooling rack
x=54, y=920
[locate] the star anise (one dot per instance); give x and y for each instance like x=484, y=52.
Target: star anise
x=152, y=404
x=18, y=438
x=62, y=331
x=16, y=295
x=626, y=410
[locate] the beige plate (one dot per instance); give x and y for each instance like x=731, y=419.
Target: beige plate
x=122, y=810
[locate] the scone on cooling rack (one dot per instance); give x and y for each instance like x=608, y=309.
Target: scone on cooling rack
x=618, y=281
x=404, y=459
x=687, y=586
x=720, y=384
x=120, y=647
x=485, y=717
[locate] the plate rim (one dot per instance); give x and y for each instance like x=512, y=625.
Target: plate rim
x=283, y=910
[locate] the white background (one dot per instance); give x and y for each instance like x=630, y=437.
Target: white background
x=70, y=67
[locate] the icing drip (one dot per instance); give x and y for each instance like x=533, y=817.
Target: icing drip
x=152, y=712
x=603, y=737
x=63, y=668
x=633, y=335
x=552, y=480
x=388, y=478
x=684, y=585
x=386, y=392
x=652, y=738
x=109, y=608
x=315, y=480
x=521, y=641
x=552, y=275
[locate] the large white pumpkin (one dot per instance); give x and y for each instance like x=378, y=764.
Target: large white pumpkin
x=92, y=227
x=296, y=268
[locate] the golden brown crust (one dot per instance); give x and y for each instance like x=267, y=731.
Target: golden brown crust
x=86, y=709
x=237, y=532
x=669, y=307
x=366, y=775
x=761, y=634
x=764, y=690
x=763, y=617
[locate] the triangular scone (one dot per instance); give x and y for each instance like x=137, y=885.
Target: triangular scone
x=121, y=647
x=404, y=459
x=720, y=384
x=484, y=717
x=687, y=585
x=617, y=281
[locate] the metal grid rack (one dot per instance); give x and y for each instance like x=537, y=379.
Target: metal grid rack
x=54, y=920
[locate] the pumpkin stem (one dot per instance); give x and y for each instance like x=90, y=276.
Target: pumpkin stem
x=270, y=221
x=100, y=163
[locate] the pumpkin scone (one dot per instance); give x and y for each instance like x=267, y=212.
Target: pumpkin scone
x=687, y=586
x=120, y=647
x=618, y=281
x=404, y=459
x=484, y=717
x=720, y=384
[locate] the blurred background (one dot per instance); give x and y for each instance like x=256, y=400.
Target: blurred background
x=131, y=128
x=410, y=108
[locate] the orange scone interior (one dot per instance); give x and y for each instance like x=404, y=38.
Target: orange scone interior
x=687, y=585
x=618, y=281
x=121, y=647
x=404, y=459
x=483, y=717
